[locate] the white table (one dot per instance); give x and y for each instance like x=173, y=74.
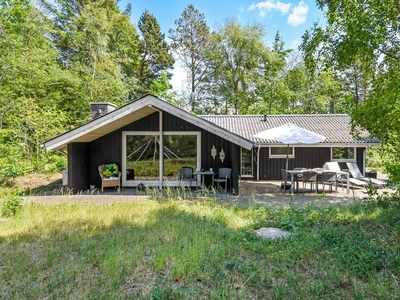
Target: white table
x=202, y=173
x=296, y=172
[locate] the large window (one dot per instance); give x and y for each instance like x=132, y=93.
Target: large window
x=280, y=152
x=179, y=151
x=247, y=163
x=343, y=153
x=150, y=159
x=143, y=156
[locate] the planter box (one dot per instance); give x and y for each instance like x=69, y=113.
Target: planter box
x=370, y=174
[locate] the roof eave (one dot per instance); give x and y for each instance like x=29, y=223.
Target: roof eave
x=149, y=101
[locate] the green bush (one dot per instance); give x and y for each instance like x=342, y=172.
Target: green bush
x=11, y=206
x=51, y=163
x=14, y=167
x=394, y=172
x=13, y=162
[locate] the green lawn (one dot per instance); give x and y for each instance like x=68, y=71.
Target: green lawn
x=188, y=250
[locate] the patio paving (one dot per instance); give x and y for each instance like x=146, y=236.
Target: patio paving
x=251, y=193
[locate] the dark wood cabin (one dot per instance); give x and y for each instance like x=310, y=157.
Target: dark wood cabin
x=150, y=139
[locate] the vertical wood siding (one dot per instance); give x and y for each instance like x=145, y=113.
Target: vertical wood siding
x=208, y=140
x=84, y=158
x=305, y=157
x=360, y=158
x=107, y=149
x=78, y=167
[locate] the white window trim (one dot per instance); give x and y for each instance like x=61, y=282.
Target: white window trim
x=252, y=157
x=155, y=183
x=344, y=159
x=281, y=155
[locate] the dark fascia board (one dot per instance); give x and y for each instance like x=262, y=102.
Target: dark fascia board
x=148, y=101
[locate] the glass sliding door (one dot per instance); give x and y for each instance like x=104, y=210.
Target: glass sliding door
x=145, y=155
x=179, y=151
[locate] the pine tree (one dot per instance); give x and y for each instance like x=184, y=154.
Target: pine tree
x=190, y=41
x=155, y=57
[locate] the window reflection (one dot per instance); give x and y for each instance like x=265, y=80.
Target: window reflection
x=179, y=151
x=247, y=159
x=142, y=155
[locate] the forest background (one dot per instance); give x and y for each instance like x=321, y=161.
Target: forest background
x=58, y=56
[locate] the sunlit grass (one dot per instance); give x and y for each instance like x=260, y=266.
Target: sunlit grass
x=178, y=249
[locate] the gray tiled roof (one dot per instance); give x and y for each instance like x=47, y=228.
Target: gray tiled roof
x=336, y=127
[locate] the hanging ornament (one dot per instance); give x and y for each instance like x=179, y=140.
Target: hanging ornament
x=222, y=155
x=213, y=152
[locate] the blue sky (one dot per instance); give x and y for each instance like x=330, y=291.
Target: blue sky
x=291, y=17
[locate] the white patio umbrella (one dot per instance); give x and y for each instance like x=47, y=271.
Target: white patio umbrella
x=290, y=134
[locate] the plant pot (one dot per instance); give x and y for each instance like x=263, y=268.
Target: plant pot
x=370, y=174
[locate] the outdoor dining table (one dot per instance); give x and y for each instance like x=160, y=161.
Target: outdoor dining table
x=294, y=173
x=202, y=173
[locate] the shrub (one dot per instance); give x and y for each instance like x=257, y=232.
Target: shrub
x=12, y=167
x=11, y=206
x=394, y=172
x=51, y=163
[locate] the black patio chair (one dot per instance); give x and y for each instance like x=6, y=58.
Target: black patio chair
x=223, y=176
x=186, y=175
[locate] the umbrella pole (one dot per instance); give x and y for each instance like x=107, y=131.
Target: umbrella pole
x=287, y=157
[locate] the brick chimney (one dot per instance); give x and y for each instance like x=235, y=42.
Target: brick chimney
x=99, y=109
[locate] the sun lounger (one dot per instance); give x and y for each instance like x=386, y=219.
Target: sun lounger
x=355, y=172
x=357, y=182
x=331, y=166
x=334, y=166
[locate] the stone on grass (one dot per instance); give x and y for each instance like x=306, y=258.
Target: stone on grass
x=272, y=233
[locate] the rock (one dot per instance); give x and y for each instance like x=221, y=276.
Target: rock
x=272, y=233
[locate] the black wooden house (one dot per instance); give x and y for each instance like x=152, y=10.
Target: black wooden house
x=150, y=139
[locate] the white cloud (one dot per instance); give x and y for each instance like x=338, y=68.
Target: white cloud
x=270, y=5
x=298, y=15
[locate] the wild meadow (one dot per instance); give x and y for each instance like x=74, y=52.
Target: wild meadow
x=177, y=249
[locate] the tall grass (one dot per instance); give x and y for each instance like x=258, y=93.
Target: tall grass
x=200, y=250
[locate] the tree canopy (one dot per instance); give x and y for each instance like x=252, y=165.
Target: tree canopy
x=58, y=56
x=155, y=56
x=361, y=43
x=190, y=41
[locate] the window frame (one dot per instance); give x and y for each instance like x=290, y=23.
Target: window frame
x=345, y=159
x=282, y=155
x=135, y=183
x=241, y=164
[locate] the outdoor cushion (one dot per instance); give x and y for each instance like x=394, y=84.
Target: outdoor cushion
x=110, y=170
